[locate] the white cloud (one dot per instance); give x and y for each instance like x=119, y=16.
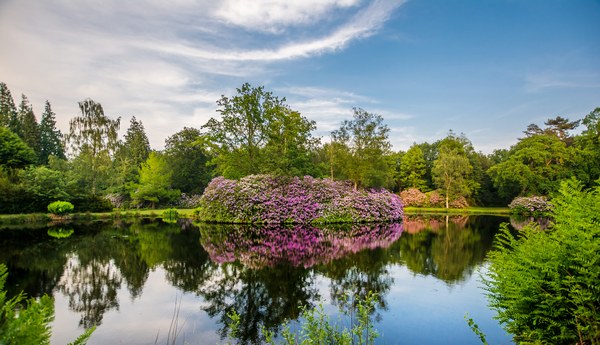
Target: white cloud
x=167, y=63
x=275, y=15
x=535, y=82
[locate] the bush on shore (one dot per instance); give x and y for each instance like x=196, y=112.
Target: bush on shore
x=277, y=199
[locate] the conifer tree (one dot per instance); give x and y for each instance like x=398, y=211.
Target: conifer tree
x=29, y=129
x=8, y=110
x=50, y=137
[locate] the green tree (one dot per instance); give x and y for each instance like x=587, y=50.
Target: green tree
x=289, y=147
x=155, y=182
x=413, y=169
x=544, y=284
x=44, y=185
x=14, y=152
x=587, y=165
x=8, y=110
x=535, y=165
x=130, y=155
x=186, y=154
x=29, y=129
x=93, y=138
x=366, y=137
x=451, y=173
x=257, y=133
x=50, y=137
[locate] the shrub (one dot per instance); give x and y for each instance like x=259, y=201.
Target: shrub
x=60, y=207
x=434, y=199
x=530, y=206
x=544, y=284
x=276, y=199
x=170, y=215
x=461, y=202
x=189, y=201
x=413, y=197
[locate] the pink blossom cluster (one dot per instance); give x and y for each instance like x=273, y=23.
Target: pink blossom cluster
x=299, y=245
x=278, y=199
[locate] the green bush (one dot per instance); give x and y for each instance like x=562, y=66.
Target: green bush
x=60, y=207
x=545, y=285
x=170, y=215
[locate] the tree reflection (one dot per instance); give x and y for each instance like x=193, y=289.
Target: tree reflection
x=447, y=247
x=274, y=270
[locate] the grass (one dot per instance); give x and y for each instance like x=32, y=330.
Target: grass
x=505, y=211
x=41, y=219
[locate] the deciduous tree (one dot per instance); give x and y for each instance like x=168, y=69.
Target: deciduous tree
x=451, y=172
x=366, y=137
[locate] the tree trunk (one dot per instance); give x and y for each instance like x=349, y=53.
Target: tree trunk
x=447, y=200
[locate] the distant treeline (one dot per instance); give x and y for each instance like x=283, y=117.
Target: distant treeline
x=258, y=133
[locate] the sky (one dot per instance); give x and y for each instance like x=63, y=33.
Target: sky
x=483, y=68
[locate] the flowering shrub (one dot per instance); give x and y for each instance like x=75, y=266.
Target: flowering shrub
x=189, y=201
x=273, y=199
x=530, y=206
x=299, y=245
x=434, y=199
x=461, y=202
x=413, y=197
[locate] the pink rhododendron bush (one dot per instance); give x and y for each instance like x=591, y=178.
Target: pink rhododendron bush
x=276, y=199
x=298, y=245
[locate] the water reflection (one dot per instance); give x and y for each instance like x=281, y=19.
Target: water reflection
x=264, y=274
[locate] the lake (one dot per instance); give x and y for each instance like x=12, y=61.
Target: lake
x=135, y=278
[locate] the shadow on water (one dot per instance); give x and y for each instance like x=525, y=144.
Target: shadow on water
x=263, y=274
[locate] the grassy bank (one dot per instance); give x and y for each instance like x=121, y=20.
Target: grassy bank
x=41, y=219
x=504, y=211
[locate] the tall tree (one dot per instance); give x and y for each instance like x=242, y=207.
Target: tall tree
x=130, y=154
x=560, y=127
x=29, y=129
x=50, y=137
x=93, y=138
x=8, y=110
x=366, y=137
x=535, y=165
x=14, y=152
x=155, y=181
x=246, y=140
x=451, y=172
x=413, y=169
x=187, y=156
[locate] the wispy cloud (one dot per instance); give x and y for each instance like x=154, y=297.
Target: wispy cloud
x=167, y=63
x=535, y=82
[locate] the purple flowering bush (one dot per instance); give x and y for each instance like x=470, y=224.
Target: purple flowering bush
x=189, y=201
x=530, y=206
x=298, y=245
x=277, y=199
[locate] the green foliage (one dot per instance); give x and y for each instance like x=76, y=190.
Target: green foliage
x=28, y=324
x=170, y=215
x=8, y=111
x=29, y=129
x=93, y=137
x=60, y=207
x=413, y=169
x=14, y=152
x=50, y=137
x=475, y=328
x=186, y=154
x=60, y=232
x=317, y=328
x=451, y=172
x=544, y=284
x=155, y=182
x=364, y=142
x=258, y=132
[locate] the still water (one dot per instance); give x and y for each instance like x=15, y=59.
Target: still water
x=129, y=278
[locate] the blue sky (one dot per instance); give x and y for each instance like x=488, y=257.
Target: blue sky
x=483, y=68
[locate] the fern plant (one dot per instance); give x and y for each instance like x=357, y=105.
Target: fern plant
x=545, y=285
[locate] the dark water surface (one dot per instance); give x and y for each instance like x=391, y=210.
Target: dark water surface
x=129, y=277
